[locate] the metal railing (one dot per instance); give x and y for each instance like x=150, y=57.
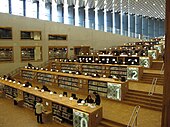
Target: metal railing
x=134, y=117
x=153, y=86
x=162, y=69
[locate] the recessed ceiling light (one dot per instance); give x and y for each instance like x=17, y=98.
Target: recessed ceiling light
x=136, y=0
x=141, y=9
x=161, y=13
x=133, y=8
x=155, y=11
x=148, y=11
x=145, y=2
x=124, y=6
x=153, y=4
x=161, y=5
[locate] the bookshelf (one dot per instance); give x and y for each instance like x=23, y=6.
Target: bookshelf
x=70, y=83
x=45, y=78
x=6, y=54
x=62, y=113
x=5, y=33
x=10, y=92
x=28, y=74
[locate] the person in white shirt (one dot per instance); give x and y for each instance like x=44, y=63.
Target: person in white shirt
x=39, y=108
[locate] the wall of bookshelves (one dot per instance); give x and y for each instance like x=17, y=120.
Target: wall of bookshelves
x=114, y=70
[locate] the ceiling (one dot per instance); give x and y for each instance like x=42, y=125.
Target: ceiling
x=150, y=8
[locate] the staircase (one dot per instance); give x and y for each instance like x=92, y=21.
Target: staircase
x=156, y=65
x=108, y=123
x=141, y=98
x=148, y=77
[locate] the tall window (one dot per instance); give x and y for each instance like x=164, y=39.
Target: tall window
x=44, y=10
x=4, y=6
x=31, y=9
x=17, y=7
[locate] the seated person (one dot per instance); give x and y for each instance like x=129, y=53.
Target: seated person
x=89, y=99
x=28, y=84
x=97, y=98
x=45, y=88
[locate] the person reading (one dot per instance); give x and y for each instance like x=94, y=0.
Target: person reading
x=89, y=99
x=39, y=109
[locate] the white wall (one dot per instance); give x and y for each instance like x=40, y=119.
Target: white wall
x=76, y=36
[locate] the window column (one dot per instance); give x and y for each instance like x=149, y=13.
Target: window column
x=105, y=16
x=54, y=10
x=76, y=13
x=96, y=16
x=113, y=17
x=86, y=15
x=65, y=12
x=121, y=17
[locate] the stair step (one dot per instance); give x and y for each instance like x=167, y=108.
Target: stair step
x=144, y=94
x=149, y=103
x=143, y=105
x=109, y=123
x=156, y=100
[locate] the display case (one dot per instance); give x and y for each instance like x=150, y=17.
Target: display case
x=31, y=35
x=6, y=54
x=58, y=52
x=159, y=48
x=31, y=53
x=57, y=37
x=5, y=33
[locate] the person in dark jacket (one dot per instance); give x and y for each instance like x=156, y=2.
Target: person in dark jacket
x=97, y=98
x=89, y=99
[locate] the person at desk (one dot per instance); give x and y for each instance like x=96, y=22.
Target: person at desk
x=89, y=99
x=39, y=109
x=97, y=98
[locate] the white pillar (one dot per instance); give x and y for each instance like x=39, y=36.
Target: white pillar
x=54, y=11
x=136, y=26
x=105, y=16
x=121, y=17
x=96, y=16
x=128, y=18
x=76, y=13
x=86, y=16
x=65, y=12
x=113, y=17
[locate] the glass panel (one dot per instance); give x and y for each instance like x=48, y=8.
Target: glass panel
x=57, y=37
x=31, y=9
x=6, y=54
x=31, y=35
x=4, y=6
x=5, y=33
x=44, y=12
x=17, y=7
x=57, y=53
x=31, y=53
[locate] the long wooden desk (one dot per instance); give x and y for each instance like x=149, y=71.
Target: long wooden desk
x=94, y=114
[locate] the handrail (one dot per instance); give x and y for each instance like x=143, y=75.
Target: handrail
x=133, y=119
x=152, y=89
x=162, y=69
